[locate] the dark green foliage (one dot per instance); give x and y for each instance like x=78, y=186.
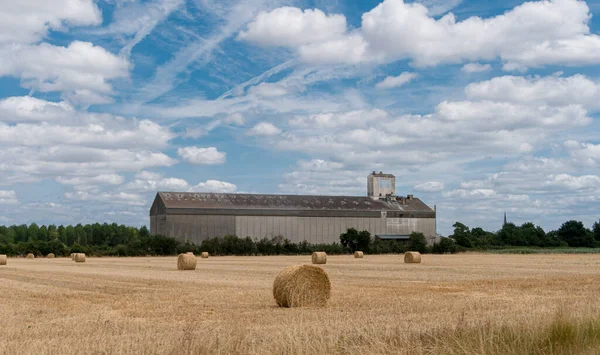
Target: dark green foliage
x=112, y=239
x=159, y=245
x=355, y=240
x=233, y=245
x=575, y=234
x=445, y=246
x=481, y=238
x=387, y=247
x=510, y=234
x=462, y=235
x=418, y=242
x=596, y=231
x=571, y=234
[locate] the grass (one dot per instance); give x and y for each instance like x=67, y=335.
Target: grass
x=449, y=304
x=561, y=334
x=535, y=250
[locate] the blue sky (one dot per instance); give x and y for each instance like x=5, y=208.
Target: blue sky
x=476, y=107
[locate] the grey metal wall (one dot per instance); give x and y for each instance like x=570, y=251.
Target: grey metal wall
x=195, y=228
x=153, y=226
x=311, y=229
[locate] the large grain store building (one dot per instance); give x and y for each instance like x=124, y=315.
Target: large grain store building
x=196, y=216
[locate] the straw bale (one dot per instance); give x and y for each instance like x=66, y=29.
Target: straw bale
x=319, y=257
x=186, y=262
x=302, y=286
x=413, y=257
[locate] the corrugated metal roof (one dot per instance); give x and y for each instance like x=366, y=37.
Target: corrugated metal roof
x=283, y=202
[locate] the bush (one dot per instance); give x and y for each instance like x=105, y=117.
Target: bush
x=387, y=247
x=159, y=245
x=445, y=245
x=576, y=235
x=418, y=242
x=76, y=248
x=121, y=250
x=355, y=240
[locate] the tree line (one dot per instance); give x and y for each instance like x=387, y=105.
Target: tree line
x=120, y=240
x=92, y=239
x=570, y=234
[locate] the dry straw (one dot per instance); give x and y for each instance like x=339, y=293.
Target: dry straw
x=3, y=259
x=186, y=262
x=319, y=257
x=412, y=257
x=204, y=254
x=30, y=256
x=50, y=256
x=79, y=257
x=302, y=286
x=359, y=255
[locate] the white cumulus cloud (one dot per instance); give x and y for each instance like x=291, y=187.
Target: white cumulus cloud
x=8, y=197
x=396, y=81
x=532, y=34
x=28, y=21
x=290, y=26
x=202, y=156
x=264, y=129
x=476, y=68
x=551, y=90
x=80, y=71
x=214, y=186
x=430, y=186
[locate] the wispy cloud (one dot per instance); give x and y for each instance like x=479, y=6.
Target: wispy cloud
x=200, y=51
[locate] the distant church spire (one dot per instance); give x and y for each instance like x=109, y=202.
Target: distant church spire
x=504, y=219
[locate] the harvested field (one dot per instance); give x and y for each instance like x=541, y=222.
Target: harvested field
x=448, y=304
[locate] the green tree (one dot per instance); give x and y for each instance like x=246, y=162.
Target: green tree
x=53, y=233
x=20, y=233
x=596, y=231
x=418, y=242
x=482, y=238
x=510, y=234
x=355, y=240
x=446, y=245
x=43, y=233
x=144, y=232
x=32, y=232
x=575, y=234
x=62, y=234
x=532, y=234
x=462, y=235
x=70, y=236
x=80, y=235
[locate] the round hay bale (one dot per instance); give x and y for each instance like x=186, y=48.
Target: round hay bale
x=186, y=262
x=412, y=257
x=204, y=255
x=72, y=256
x=319, y=257
x=79, y=257
x=50, y=256
x=3, y=259
x=302, y=286
x=190, y=252
x=30, y=256
x=359, y=255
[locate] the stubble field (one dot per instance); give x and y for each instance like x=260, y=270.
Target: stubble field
x=448, y=304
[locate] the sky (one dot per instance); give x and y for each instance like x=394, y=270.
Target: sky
x=478, y=108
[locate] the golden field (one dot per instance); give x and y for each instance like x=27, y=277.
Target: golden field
x=448, y=304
